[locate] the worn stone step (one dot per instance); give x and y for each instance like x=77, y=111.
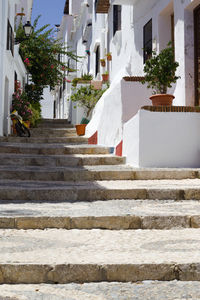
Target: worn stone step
x=64, y=256
x=45, y=139
x=60, y=160
x=83, y=173
x=52, y=149
x=143, y=290
x=99, y=190
x=110, y=214
x=54, y=123
x=58, y=132
x=98, y=172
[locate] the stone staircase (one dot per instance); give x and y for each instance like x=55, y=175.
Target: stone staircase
x=75, y=213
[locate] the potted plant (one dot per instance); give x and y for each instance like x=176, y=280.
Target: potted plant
x=160, y=74
x=86, y=78
x=109, y=56
x=86, y=97
x=103, y=62
x=105, y=76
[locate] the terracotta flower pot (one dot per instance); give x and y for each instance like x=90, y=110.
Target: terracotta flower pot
x=105, y=77
x=80, y=129
x=162, y=99
x=109, y=57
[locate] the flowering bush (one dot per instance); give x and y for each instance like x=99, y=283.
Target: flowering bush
x=21, y=104
x=42, y=55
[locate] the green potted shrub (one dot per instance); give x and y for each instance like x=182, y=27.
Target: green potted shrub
x=86, y=97
x=160, y=74
x=86, y=78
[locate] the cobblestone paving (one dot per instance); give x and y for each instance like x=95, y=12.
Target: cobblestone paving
x=147, y=290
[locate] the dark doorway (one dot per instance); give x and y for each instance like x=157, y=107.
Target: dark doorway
x=197, y=54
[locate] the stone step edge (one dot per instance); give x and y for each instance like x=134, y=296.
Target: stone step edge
x=87, y=194
x=124, y=173
x=101, y=222
x=80, y=273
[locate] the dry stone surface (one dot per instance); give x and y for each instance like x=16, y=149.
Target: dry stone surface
x=77, y=218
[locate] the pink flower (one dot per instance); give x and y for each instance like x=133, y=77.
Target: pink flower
x=52, y=66
x=67, y=80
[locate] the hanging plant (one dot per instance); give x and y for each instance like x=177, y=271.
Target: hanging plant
x=103, y=62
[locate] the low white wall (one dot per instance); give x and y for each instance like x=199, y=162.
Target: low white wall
x=158, y=139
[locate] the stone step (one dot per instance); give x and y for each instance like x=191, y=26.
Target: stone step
x=52, y=149
x=64, y=256
x=145, y=290
x=54, y=121
x=46, y=139
x=58, y=132
x=86, y=173
x=99, y=190
x=110, y=214
x=60, y=160
x=82, y=173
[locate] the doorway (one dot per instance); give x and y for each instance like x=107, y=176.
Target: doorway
x=197, y=54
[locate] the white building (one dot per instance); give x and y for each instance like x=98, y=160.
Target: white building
x=126, y=28
x=11, y=65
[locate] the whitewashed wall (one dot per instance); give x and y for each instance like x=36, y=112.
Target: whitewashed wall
x=9, y=63
x=47, y=104
x=158, y=139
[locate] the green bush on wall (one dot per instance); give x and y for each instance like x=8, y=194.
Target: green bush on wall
x=86, y=97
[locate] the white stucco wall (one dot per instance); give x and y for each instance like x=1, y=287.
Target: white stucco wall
x=158, y=139
x=9, y=64
x=47, y=104
x=115, y=115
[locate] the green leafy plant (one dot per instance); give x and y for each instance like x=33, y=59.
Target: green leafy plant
x=84, y=79
x=87, y=97
x=34, y=92
x=42, y=53
x=160, y=71
x=36, y=113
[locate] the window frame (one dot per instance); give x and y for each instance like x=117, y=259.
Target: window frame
x=10, y=38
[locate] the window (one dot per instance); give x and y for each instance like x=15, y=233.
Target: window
x=147, y=41
x=97, y=70
x=116, y=18
x=10, y=38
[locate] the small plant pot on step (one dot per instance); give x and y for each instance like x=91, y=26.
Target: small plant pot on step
x=105, y=77
x=162, y=99
x=80, y=129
